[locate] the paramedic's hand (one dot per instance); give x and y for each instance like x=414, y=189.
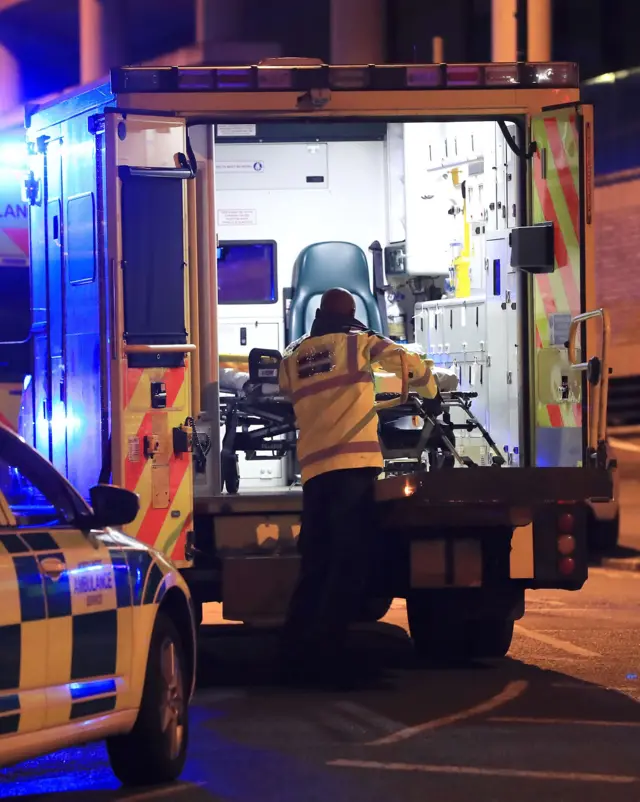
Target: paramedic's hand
x=388, y=355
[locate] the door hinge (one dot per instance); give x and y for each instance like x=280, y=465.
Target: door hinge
x=509, y=377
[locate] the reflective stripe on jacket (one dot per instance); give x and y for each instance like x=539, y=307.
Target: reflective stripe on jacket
x=330, y=382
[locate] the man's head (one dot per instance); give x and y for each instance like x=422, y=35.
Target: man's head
x=338, y=302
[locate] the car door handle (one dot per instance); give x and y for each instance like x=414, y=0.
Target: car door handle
x=53, y=567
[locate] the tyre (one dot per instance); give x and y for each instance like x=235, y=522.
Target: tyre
x=443, y=638
x=373, y=610
x=154, y=751
x=603, y=536
x=489, y=637
x=230, y=473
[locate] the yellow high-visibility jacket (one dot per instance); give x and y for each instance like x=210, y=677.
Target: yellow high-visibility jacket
x=329, y=379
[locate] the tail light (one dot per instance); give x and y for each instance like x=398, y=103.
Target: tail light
x=566, y=565
x=566, y=544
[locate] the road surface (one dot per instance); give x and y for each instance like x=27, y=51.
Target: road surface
x=558, y=720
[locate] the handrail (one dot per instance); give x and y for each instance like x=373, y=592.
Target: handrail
x=403, y=395
x=185, y=348
x=600, y=383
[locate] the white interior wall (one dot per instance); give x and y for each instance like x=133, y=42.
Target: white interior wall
x=277, y=202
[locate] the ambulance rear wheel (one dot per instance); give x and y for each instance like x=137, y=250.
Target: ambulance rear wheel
x=230, y=473
x=154, y=751
x=603, y=536
x=443, y=638
x=373, y=610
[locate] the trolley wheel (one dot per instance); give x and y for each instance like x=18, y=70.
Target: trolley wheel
x=230, y=473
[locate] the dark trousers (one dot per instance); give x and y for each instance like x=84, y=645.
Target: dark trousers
x=337, y=545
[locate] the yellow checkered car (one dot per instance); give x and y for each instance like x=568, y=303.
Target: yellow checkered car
x=97, y=630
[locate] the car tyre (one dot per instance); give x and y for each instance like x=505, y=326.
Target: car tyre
x=154, y=752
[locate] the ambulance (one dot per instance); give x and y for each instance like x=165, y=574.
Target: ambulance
x=185, y=221
x=15, y=315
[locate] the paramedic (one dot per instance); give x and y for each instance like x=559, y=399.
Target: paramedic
x=328, y=376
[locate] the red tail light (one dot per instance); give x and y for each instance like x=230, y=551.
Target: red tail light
x=566, y=545
x=566, y=565
x=566, y=523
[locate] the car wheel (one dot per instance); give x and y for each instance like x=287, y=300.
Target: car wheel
x=154, y=751
x=230, y=473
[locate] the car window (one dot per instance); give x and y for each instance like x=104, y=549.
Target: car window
x=28, y=503
x=34, y=490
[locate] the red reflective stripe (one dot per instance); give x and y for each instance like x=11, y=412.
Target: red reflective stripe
x=366, y=447
x=421, y=381
x=564, y=172
x=379, y=347
x=333, y=383
x=555, y=415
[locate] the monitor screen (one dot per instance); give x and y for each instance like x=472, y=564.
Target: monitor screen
x=247, y=273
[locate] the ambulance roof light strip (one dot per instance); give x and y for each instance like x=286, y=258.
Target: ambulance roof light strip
x=303, y=78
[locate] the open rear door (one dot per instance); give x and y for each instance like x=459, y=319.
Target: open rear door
x=151, y=350
x=562, y=193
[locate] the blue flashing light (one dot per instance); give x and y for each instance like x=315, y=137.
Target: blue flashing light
x=84, y=690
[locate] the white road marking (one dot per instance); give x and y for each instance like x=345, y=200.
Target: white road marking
x=507, y=694
x=563, y=645
x=370, y=717
x=170, y=790
x=562, y=721
x=618, y=779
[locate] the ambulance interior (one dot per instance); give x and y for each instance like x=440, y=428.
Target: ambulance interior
x=413, y=218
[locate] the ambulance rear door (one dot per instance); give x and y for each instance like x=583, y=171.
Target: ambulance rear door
x=561, y=184
x=151, y=349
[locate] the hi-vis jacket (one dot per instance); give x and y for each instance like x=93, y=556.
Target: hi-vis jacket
x=330, y=382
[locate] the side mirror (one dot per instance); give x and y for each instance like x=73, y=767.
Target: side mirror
x=532, y=248
x=113, y=506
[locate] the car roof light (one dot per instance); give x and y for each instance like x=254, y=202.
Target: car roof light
x=501, y=75
x=550, y=75
x=349, y=77
x=426, y=77
x=196, y=79
x=234, y=78
x=275, y=78
x=464, y=75
x=142, y=79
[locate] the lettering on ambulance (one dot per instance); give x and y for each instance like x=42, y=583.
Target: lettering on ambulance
x=163, y=528
x=556, y=198
x=91, y=579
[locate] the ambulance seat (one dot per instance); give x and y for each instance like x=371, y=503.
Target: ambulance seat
x=324, y=265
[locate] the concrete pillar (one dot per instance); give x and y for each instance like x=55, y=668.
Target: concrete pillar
x=100, y=38
x=218, y=20
x=504, y=30
x=539, y=30
x=358, y=32
x=10, y=83
x=437, y=47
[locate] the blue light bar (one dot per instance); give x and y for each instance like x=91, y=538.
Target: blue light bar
x=304, y=77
